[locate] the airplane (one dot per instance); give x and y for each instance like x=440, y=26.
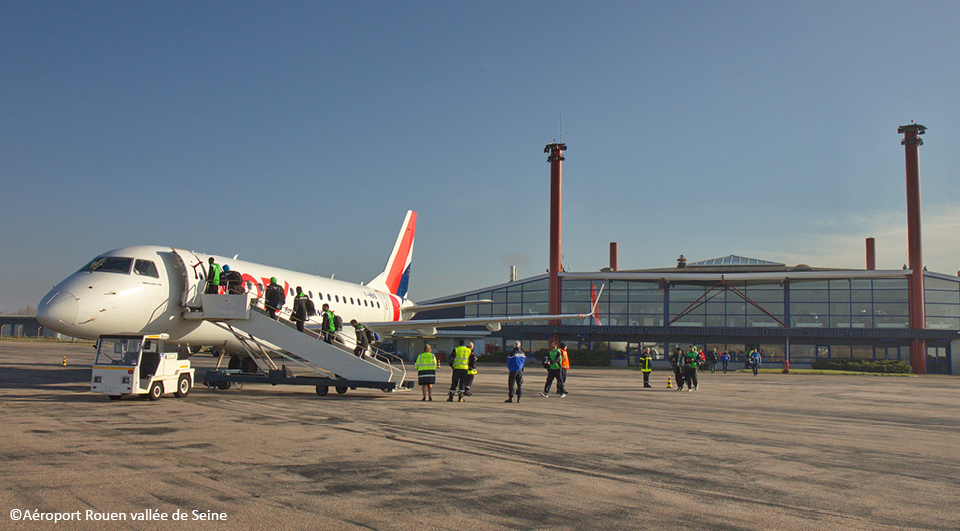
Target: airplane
x=146, y=290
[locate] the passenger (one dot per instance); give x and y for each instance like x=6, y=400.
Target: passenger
x=755, y=360
x=299, y=315
x=460, y=362
x=690, y=360
x=552, y=361
x=646, y=366
x=426, y=372
x=274, y=298
x=515, y=363
x=676, y=364
x=363, y=342
x=724, y=360
x=329, y=324
x=712, y=359
x=564, y=365
x=232, y=280
x=213, y=278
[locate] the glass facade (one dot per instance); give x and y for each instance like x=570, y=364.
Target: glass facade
x=843, y=303
x=828, y=302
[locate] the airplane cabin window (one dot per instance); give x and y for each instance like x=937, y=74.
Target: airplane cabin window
x=260, y=286
x=291, y=292
x=364, y=302
x=109, y=264
x=337, y=297
x=351, y=300
x=328, y=296
x=145, y=268
x=310, y=293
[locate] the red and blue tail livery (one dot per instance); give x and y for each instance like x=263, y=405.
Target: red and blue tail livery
x=395, y=277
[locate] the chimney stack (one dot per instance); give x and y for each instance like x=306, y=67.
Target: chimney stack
x=871, y=255
x=614, y=256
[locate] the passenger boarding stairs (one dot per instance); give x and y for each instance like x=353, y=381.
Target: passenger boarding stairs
x=266, y=339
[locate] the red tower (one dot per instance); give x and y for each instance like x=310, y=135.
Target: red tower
x=556, y=202
x=911, y=145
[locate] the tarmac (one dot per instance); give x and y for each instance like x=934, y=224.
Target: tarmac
x=775, y=451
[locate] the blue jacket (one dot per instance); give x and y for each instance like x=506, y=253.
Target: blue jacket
x=515, y=360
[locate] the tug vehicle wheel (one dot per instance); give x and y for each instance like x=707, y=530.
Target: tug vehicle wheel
x=183, y=386
x=322, y=390
x=156, y=391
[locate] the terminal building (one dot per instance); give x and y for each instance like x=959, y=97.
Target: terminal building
x=793, y=314
x=796, y=313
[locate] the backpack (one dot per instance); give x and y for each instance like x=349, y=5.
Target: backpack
x=337, y=322
x=371, y=335
x=311, y=309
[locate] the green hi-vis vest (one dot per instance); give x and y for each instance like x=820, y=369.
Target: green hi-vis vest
x=426, y=362
x=216, y=275
x=554, y=359
x=461, y=358
x=645, y=364
x=331, y=325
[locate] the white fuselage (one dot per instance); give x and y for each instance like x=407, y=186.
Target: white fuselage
x=130, y=296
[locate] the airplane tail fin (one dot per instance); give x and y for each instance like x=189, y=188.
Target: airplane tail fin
x=396, y=274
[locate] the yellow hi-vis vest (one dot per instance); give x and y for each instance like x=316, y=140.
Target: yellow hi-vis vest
x=461, y=358
x=426, y=362
x=645, y=364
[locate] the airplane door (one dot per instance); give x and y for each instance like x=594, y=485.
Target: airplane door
x=193, y=278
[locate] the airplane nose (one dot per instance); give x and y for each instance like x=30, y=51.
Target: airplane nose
x=58, y=310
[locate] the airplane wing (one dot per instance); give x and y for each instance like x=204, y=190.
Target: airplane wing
x=428, y=327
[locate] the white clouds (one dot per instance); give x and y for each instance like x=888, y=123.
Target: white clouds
x=842, y=242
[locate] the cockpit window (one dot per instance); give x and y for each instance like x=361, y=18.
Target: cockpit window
x=109, y=264
x=145, y=268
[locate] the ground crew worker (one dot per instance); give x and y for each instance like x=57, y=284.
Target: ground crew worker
x=553, y=372
x=646, y=366
x=213, y=278
x=689, y=360
x=274, y=298
x=329, y=324
x=299, y=315
x=460, y=362
x=471, y=372
x=426, y=372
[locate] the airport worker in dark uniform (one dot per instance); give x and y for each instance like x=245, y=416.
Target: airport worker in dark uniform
x=299, y=315
x=213, y=278
x=471, y=372
x=646, y=366
x=460, y=362
x=690, y=360
x=426, y=372
x=553, y=373
x=363, y=340
x=515, y=363
x=274, y=298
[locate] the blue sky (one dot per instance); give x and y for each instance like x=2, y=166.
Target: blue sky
x=297, y=134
